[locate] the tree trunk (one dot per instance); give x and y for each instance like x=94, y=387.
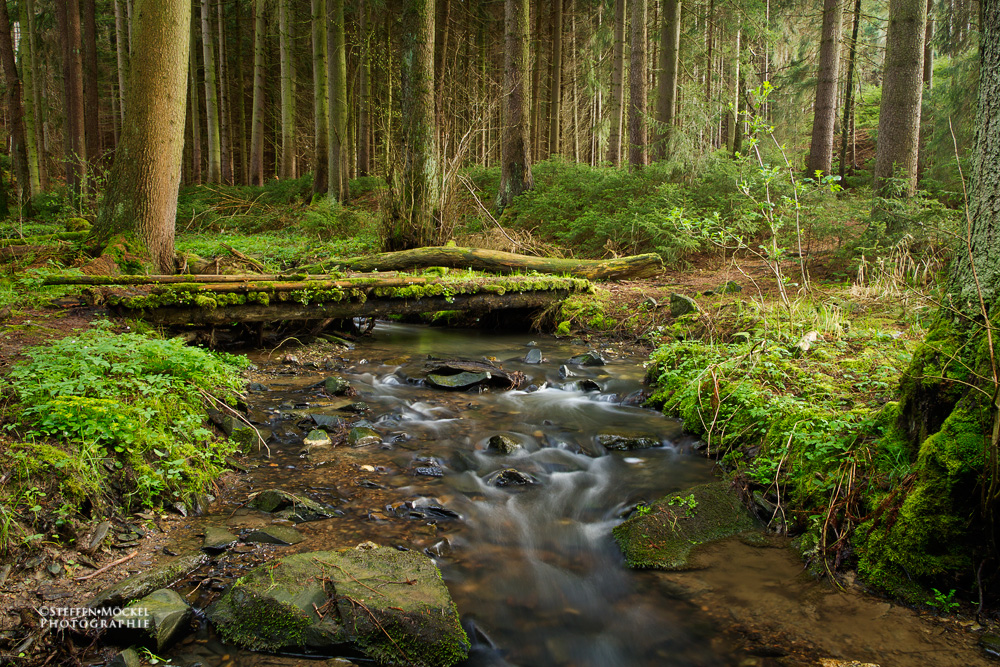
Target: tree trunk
x=91, y=91
x=825, y=107
x=225, y=138
x=495, y=261
x=536, y=82
x=37, y=108
x=413, y=222
x=68, y=14
x=737, y=117
x=364, y=91
x=287, y=91
x=515, y=163
x=140, y=201
x=195, y=113
x=257, y=108
x=929, y=47
x=15, y=111
x=617, y=86
x=555, y=87
x=28, y=69
x=902, y=89
x=945, y=521
x=670, y=51
x=849, y=91
x=637, y=87
x=122, y=51
x=321, y=99
x=441, y=34
x=211, y=95
x=338, y=164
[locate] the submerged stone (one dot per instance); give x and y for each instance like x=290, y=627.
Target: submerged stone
x=663, y=536
x=362, y=436
x=144, y=583
x=288, y=505
x=284, y=535
x=165, y=613
x=217, y=539
x=391, y=605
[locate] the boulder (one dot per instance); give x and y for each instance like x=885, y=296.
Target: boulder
x=317, y=438
x=336, y=385
x=287, y=505
x=591, y=358
x=459, y=374
x=160, y=617
x=391, y=605
x=682, y=305
x=534, y=356
x=510, y=477
x=663, y=536
x=143, y=583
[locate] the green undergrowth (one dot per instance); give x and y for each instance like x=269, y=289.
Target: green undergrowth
x=799, y=404
x=100, y=420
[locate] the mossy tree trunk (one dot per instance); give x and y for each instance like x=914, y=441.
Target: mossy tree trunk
x=140, y=201
x=14, y=109
x=28, y=57
x=413, y=222
x=945, y=528
x=515, y=163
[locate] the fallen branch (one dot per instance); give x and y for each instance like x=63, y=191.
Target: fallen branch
x=107, y=567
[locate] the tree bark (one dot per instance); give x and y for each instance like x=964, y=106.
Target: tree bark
x=364, y=91
x=28, y=69
x=928, y=47
x=140, y=200
x=68, y=14
x=91, y=92
x=670, y=51
x=902, y=90
x=225, y=136
x=845, y=129
x=536, y=83
x=555, y=87
x=122, y=52
x=195, y=107
x=211, y=95
x=257, y=109
x=338, y=164
x=495, y=261
x=413, y=222
x=825, y=107
x=515, y=163
x=287, y=91
x=321, y=99
x=617, y=86
x=15, y=111
x=637, y=87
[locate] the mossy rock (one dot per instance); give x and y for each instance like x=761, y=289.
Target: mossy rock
x=392, y=605
x=289, y=506
x=144, y=583
x=664, y=536
x=165, y=613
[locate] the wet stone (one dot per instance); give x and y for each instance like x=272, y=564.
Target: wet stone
x=287, y=505
x=99, y=534
x=566, y=372
x=362, y=436
x=464, y=380
x=621, y=443
x=336, y=385
x=166, y=612
x=327, y=421
x=534, y=356
x=429, y=471
x=127, y=658
x=510, y=477
x=217, y=539
x=144, y=583
x=317, y=438
x=591, y=358
x=284, y=535
x=502, y=444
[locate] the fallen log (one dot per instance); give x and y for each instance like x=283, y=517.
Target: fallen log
x=175, y=279
x=495, y=261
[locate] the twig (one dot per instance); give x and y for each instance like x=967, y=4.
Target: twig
x=235, y=413
x=107, y=567
x=465, y=182
x=239, y=255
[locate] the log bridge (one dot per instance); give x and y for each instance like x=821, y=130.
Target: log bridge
x=224, y=300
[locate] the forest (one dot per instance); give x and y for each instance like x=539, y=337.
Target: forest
x=782, y=215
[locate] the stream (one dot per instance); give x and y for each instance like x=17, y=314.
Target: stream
x=533, y=569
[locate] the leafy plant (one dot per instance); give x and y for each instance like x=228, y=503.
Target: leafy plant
x=944, y=602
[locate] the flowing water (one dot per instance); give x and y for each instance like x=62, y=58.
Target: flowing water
x=533, y=567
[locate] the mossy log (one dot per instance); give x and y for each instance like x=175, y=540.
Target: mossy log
x=495, y=261
x=180, y=278
x=42, y=238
